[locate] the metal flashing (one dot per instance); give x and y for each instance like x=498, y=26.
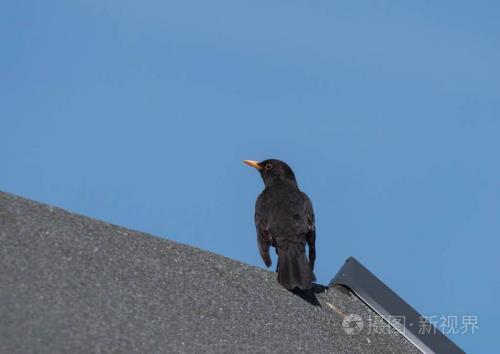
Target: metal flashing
x=389, y=306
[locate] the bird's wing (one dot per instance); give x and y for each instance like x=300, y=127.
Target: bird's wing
x=311, y=234
x=264, y=240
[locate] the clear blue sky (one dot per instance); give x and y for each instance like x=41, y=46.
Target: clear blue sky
x=140, y=113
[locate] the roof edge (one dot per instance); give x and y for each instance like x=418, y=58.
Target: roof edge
x=393, y=309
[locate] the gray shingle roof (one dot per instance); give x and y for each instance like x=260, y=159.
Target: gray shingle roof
x=73, y=284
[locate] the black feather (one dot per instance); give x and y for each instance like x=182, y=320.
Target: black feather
x=284, y=219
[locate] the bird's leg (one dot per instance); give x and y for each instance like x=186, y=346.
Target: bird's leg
x=277, y=264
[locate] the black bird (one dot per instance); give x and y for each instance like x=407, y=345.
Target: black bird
x=284, y=219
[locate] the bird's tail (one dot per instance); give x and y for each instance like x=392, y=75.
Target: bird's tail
x=294, y=269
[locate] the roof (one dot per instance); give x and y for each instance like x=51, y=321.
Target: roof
x=69, y=283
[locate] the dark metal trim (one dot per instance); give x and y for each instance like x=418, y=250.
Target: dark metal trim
x=389, y=305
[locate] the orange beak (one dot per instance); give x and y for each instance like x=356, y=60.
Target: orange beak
x=252, y=163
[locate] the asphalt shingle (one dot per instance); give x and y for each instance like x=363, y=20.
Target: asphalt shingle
x=69, y=283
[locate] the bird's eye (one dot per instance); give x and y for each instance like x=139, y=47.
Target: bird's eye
x=268, y=166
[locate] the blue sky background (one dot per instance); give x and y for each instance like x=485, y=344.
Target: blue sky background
x=140, y=113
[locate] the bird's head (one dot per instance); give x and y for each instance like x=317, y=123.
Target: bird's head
x=274, y=172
